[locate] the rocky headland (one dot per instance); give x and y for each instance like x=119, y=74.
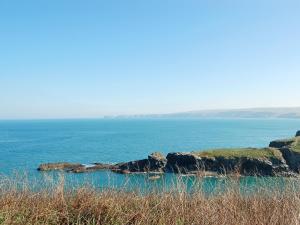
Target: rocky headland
x=280, y=158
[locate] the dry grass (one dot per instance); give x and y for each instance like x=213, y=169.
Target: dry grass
x=19, y=205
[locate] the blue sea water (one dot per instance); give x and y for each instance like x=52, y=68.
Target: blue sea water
x=26, y=144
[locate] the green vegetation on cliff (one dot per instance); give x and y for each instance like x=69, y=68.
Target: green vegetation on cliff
x=296, y=144
x=242, y=152
x=291, y=143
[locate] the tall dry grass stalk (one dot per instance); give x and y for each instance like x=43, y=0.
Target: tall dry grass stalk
x=86, y=205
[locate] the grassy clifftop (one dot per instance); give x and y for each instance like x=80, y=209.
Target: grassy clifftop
x=241, y=152
x=271, y=152
x=296, y=144
x=291, y=143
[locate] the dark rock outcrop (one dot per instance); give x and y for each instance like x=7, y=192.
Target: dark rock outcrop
x=263, y=167
x=225, y=165
x=281, y=143
x=189, y=163
x=289, y=151
x=256, y=166
x=142, y=165
x=181, y=162
x=155, y=162
x=292, y=158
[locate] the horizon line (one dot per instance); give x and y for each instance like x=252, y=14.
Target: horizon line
x=116, y=116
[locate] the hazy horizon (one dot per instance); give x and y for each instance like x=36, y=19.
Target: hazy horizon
x=265, y=112
x=74, y=59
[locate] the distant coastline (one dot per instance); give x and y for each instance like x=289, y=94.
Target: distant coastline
x=265, y=113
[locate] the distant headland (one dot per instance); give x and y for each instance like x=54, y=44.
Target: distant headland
x=280, y=158
x=274, y=112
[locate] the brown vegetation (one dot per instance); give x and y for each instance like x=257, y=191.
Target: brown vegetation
x=20, y=205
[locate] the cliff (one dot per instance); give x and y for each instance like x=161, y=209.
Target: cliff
x=281, y=158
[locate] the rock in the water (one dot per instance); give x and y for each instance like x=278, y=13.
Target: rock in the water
x=74, y=167
x=281, y=143
x=298, y=133
x=59, y=166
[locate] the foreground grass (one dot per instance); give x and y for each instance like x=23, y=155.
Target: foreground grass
x=89, y=206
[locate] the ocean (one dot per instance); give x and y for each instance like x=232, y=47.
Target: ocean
x=24, y=144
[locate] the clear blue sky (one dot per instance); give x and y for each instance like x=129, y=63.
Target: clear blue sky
x=89, y=58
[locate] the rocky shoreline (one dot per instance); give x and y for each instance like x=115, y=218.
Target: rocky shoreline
x=281, y=158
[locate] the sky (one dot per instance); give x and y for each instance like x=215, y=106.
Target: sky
x=91, y=58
